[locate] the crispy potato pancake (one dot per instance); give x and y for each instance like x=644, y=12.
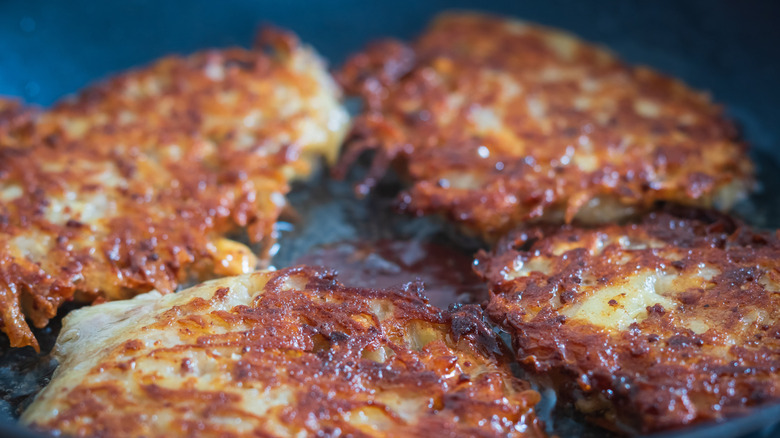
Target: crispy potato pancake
x=276, y=354
x=130, y=185
x=497, y=122
x=650, y=326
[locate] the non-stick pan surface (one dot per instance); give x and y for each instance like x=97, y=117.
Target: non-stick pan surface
x=51, y=48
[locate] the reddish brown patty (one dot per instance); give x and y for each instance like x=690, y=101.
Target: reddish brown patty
x=130, y=185
x=278, y=354
x=672, y=321
x=496, y=122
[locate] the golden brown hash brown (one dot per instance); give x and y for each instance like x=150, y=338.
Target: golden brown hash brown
x=130, y=185
x=655, y=325
x=496, y=121
x=285, y=353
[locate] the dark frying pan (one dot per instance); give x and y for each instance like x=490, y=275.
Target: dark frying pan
x=51, y=48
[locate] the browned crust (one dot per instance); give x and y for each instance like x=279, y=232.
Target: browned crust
x=15, y=121
x=605, y=131
x=658, y=373
x=313, y=340
x=190, y=167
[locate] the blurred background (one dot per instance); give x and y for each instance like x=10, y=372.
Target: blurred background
x=52, y=48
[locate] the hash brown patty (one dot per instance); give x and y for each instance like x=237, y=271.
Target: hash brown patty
x=670, y=321
x=496, y=122
x=276, y=354
x=130, y=185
